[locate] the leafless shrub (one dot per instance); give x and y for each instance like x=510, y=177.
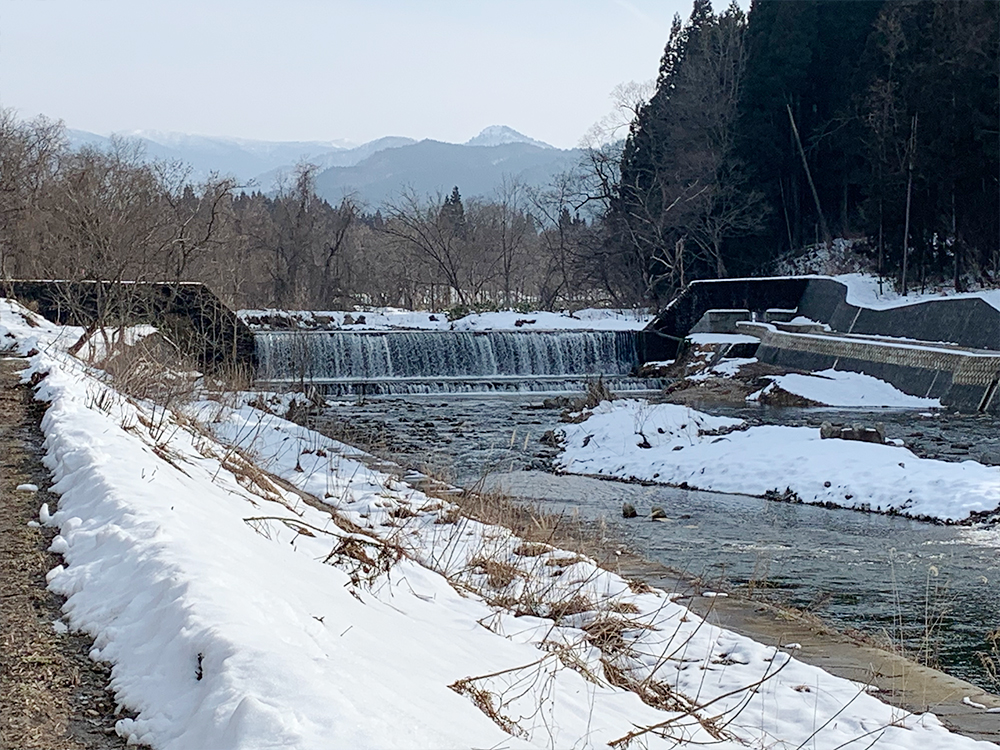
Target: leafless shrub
x=597, y=392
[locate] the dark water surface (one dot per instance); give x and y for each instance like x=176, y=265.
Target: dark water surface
x=933, y=588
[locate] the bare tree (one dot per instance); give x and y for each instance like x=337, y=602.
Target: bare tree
x=198, y=217
x=29, y=157
x=433, y=234
x=682, y=191
x=505, y=229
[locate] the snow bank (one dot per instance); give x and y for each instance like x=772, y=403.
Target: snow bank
x=841, y=388
x=382, y=319
x=721, y=338
x=610, y=442
x=237, y=616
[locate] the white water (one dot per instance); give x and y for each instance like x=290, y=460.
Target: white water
x=437, y=361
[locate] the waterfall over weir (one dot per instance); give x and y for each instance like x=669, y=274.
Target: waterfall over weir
x=445, y=361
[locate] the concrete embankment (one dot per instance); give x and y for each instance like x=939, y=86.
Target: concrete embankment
x=940, y=348
x=963, y=379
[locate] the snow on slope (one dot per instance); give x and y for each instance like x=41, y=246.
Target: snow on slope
x=753, y=461
x=863, y=291
x=236, y=616
x=842, y=388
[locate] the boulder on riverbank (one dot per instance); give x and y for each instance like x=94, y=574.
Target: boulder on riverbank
x=856, y=431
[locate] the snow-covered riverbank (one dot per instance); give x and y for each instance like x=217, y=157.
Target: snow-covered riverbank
x=236, y=615
x=395, y=319
x=674, y=444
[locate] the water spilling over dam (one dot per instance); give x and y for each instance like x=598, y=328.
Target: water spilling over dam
x=436, y=361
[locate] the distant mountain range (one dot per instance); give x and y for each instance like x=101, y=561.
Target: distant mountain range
x=373, y=172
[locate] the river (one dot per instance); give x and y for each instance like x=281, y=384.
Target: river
x=930, y=587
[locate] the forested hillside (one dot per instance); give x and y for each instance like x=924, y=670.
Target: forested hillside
x=804, y=120
x=768, y=131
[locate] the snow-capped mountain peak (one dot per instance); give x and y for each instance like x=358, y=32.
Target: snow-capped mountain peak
x=498, y=135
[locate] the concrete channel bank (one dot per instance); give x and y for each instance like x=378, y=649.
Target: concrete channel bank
x=894, y=678
x=942, y=348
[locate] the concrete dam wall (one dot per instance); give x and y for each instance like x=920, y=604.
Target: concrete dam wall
x=940, y=348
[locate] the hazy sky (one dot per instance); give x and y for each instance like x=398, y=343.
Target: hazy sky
x=314, y=70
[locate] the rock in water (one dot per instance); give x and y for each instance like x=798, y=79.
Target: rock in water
x=657, y=513
x=628, y=510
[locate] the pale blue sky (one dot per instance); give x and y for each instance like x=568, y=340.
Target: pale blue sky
x=311, y=70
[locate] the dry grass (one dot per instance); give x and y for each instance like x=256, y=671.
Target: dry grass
x=990, y=658
x=486, y=702
x=499, y=574
x=153, y=368
x=573, y=606
x=532, y=550
x=365, y=560
x=625, y=608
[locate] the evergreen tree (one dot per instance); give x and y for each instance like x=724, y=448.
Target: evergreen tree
x=453, y=214
x=682, y=190
x=803, y=59
x=933, y=71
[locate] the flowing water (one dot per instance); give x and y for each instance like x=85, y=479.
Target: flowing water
x=374, y=362
x=933, y=588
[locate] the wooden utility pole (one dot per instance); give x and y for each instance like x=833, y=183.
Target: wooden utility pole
x=909, y=192
x=812, y=186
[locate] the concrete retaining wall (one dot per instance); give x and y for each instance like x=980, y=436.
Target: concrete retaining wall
x=968, y=322
x=756, y=295
x=963, y=380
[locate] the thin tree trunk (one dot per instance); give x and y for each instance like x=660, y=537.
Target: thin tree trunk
x=805, y=164
x=909, y=192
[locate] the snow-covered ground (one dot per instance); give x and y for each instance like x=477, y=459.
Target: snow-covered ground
x=841, y=388
x=863, y=291
x=382, y=319
x=235, y=615
x=673, y=444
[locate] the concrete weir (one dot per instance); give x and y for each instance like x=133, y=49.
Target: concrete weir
x=943, y=348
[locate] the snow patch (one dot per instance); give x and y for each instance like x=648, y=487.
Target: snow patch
x=686, y=449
